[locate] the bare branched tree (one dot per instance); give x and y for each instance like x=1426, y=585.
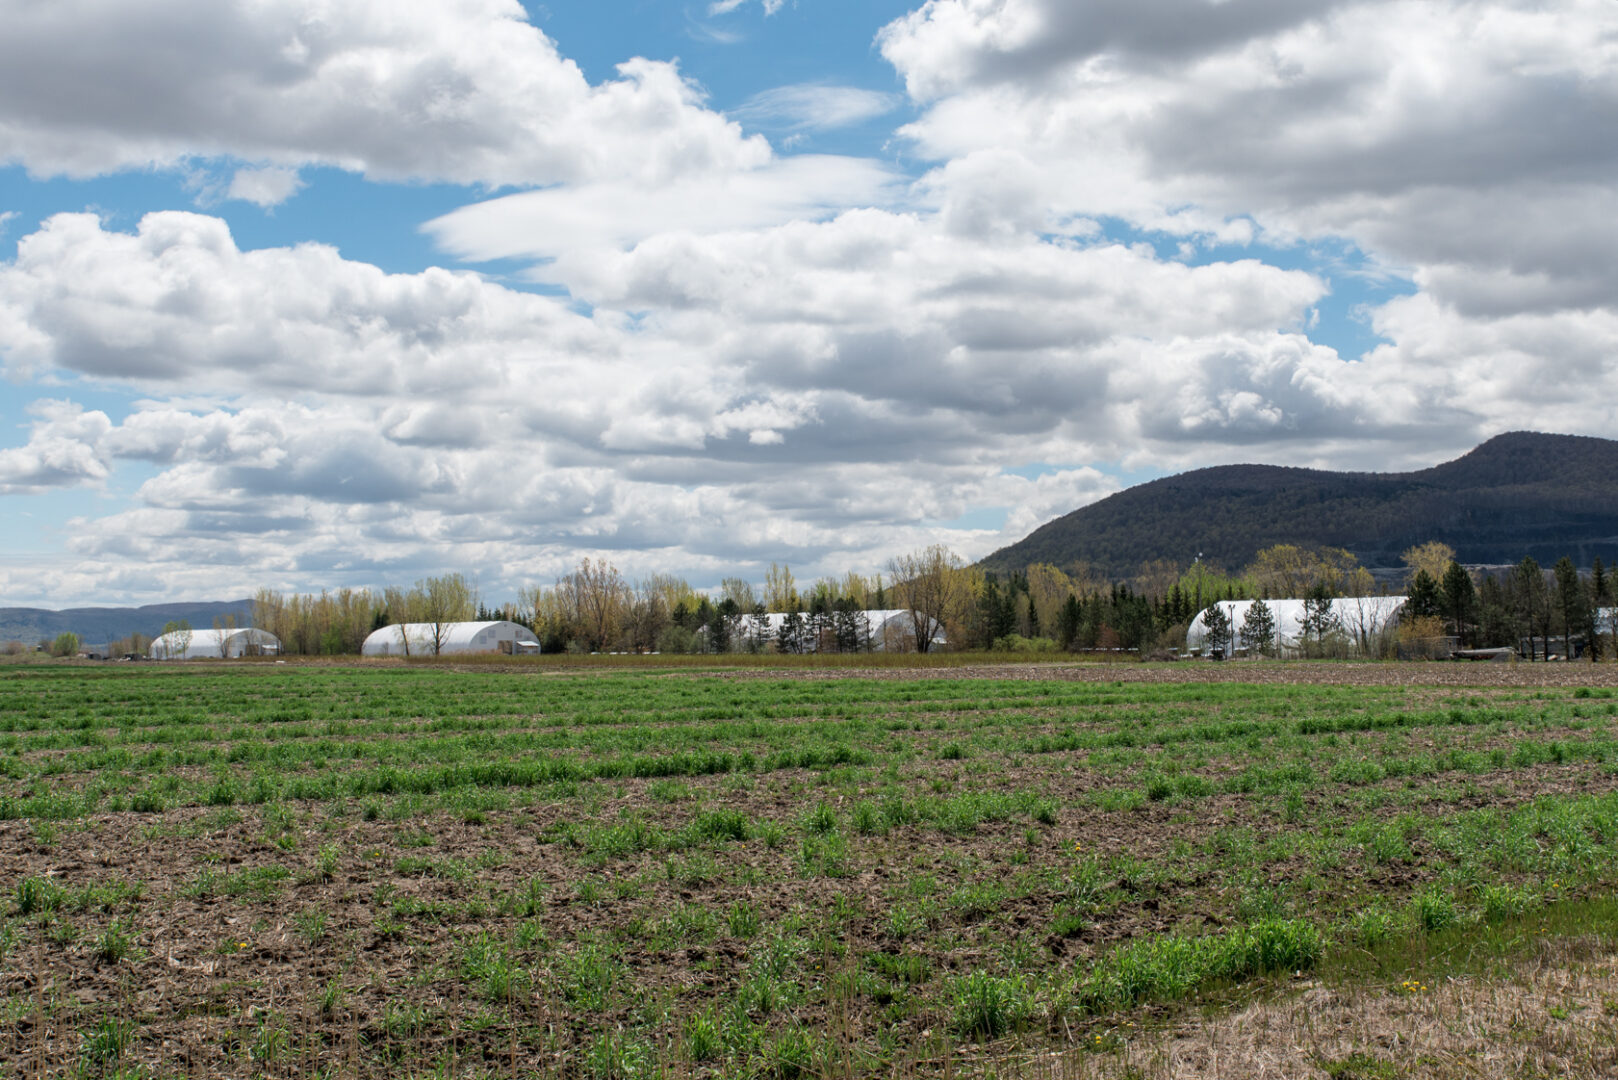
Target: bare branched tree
x=933, y=587
x=443, y=602
x=598, y=596
x=779, y=588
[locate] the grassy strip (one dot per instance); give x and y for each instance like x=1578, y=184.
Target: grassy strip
x=1399, y=952
x=1171, y=967
x=765, y=661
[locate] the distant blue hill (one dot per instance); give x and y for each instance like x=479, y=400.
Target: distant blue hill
x=99, y=625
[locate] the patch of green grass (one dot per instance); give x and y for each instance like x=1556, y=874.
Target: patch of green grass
x=1360, y=1066
x=987, y=1006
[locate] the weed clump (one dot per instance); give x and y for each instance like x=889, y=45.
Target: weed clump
x=988, y=1006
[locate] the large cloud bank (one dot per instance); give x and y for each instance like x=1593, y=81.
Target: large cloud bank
x=767, y=357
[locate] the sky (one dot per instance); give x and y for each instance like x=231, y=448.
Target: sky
x=305, y=294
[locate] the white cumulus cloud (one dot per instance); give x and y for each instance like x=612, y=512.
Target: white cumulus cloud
x=266, y=187
x=459, y=90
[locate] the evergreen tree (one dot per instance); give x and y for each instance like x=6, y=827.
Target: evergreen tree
x=985, y=613
x=759, y=638
x=1071, y=619
x=846, y=622
x=1001, y=607
x=1534, y=601
x=722, y=627
x=1216, y=631
x=683, y=617
x=1033, y=617
x=862, y=624
x=1497, y=623
x=1423, y=596
x=818, y=628
x=789, y=639
x=1600, y=603
x=1258, y=628
x=1572, y=603
x=1457, y=599
x=1319, y=619
x=1132, y=618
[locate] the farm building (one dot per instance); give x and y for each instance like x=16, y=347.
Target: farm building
x=428, y=639
x=1360, y=618
x=891, y=630
x=215, y=644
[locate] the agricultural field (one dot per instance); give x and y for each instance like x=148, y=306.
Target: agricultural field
x=418, y=870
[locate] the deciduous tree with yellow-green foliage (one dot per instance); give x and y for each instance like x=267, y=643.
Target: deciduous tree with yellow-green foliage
x=1433, y=557
x=1292, y=571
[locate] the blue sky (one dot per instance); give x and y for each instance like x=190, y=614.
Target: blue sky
x=302, y=297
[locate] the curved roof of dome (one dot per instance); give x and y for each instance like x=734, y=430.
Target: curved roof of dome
x=210, y=641
x=457, y=635
x=1356, y=614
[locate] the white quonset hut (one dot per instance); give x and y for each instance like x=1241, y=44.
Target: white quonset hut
x=1360, y=618
x=891, y=629
x=446, y=639
x=215, y=644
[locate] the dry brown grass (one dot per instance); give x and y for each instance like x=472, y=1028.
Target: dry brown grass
x=1550, y=1013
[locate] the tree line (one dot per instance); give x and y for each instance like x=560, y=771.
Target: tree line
x=595, y=608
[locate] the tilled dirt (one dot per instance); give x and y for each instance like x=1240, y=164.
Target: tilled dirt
x=230, y=979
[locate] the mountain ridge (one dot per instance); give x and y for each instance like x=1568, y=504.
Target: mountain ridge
x=100, y=625
x=1519, y=493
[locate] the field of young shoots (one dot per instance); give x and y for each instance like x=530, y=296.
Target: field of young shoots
x=267, y=870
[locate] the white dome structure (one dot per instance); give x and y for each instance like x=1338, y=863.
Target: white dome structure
x=445, y=639
x=1359, y=617
x=215, y=644
x=890, y=628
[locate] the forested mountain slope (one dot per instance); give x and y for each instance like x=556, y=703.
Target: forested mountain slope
x=1518, y=494
x=98, y=625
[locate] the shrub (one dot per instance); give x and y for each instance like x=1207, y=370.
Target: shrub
x=679, y=640
x=1016, y=643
